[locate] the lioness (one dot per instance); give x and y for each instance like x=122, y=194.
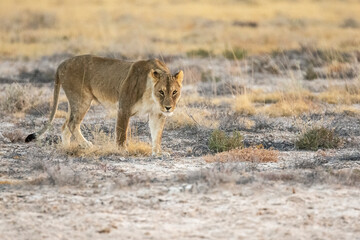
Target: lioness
x=141, y=87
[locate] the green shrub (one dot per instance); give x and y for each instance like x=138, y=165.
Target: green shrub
x=236, y=53
x=220, y=142
x=318, y=138
x=199, y=53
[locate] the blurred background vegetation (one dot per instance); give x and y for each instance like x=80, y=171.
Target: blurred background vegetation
x=138, y=28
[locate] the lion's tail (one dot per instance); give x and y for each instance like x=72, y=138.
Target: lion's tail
x=37, y=134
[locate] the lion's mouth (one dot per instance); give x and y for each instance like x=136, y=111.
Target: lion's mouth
x=167, y=113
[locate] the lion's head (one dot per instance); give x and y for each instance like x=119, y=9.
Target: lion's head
x=166, y=90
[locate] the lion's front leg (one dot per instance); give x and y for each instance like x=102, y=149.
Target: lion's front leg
x=122, y=124
x=156, y=124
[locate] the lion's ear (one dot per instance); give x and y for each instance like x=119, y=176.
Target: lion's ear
x=155, y=74
x=179, y=76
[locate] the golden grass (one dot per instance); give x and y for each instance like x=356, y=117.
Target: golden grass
x=336, y=68
x=295, y=103
x=251, y=154
x=340, y=95
x=164, y=27
x=259, y=96
x=348, y=110
x=243, y=105
x=104, y=145
x=191, y=117
x=275, y=104
x=10, y=182
x=192, y=99
x=288, y=108
x=134, y=148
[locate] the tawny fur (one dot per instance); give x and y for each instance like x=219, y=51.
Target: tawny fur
x=141, y=87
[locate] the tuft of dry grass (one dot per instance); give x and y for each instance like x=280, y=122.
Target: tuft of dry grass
x=15, y=98
x=191, y=117
x=243, y=105
x=134, y=148
x=10, y=182
x=278, y=104
x=14, y=135
x=251, y=154
x=341, y=70
x=18, y=99
x=341, y=95
x=288, y=108
x=348, y=110
x=258, y=96
x=193, y=99
x=104, y=145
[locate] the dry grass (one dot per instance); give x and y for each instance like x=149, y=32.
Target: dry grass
x=141, y=27
x=104, y=144
x=341, y=70
x=18, y=98
x=243, y=105
x=193, y=99
x=275, y=104
x=348, y=110
x=341, y=95
x=289, y=108
x=14, y=135
x=134, y=148
x=191, y=117
x=251, y=154
x=295, y=103
x=259, y=96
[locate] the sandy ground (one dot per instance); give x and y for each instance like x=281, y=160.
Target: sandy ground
x=146, y=199
x=48, y=193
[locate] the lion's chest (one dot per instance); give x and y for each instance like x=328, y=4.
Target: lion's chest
x=145, y=105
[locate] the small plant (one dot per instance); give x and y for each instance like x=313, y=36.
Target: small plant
x=350, y=23
x=235, y=54
x=199, y=53
x=310, y=74
x=220, y=142
x=318, y=138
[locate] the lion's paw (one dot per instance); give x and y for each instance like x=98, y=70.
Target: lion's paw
x=86, y=144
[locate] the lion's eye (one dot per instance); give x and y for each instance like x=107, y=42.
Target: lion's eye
x=174, y=92
x=161, y=92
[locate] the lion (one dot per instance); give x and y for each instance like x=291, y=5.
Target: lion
x=140, y=87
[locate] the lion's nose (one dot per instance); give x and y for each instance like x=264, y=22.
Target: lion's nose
x=167, y=108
